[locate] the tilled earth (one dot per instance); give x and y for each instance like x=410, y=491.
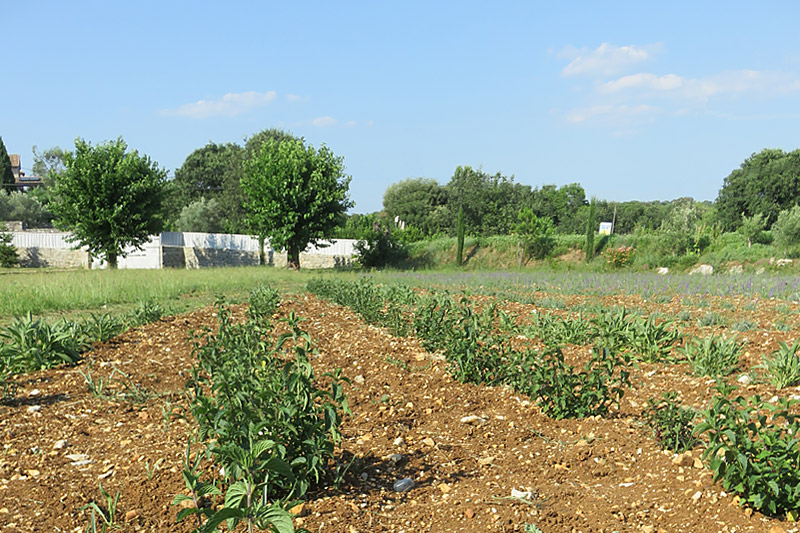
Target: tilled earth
x=466, y=447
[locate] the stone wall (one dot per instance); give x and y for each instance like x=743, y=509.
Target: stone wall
x=313, y=261
x=185, y=257
x=53, y=258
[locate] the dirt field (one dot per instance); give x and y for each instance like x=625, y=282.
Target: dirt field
x=465, y=447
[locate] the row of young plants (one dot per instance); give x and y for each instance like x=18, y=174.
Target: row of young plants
x=752, y=446
x=265, y=422
x=28, y=344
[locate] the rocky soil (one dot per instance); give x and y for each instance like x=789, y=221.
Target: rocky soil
x=481, y=459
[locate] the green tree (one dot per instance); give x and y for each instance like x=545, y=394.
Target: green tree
x=296, y=194
x=109, y=198
x=767, y=183
x=753, y=228
x=24, y=207
x=6, y=174
x=590, y=230
x=490, y=203
x=535, y=234
x=786, y=229
x=210, y=172
x=8, y=252
x=201, y=215
x=414, y=201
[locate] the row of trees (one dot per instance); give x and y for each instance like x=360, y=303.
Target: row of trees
x=111, y=197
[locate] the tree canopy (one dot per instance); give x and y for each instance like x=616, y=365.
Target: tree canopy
x=109, y=198
x=209, y=173
x=6, y=174
x=767, y=182
x=415, y=201
x=296, y=194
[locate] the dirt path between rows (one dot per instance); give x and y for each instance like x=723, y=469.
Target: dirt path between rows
x=465, y=447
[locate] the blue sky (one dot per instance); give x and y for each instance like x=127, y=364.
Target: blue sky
x=631, y=99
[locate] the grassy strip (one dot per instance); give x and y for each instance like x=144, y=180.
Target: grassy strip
x=44, y=293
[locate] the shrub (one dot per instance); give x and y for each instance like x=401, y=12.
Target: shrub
x=380, y=249
x=786, y=230
x=753, y=448
x=672, y=425
x=712, y=356
x=535, y=234
x=620, y=256
x=8, y=252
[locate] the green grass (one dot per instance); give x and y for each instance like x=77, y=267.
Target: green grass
x=49, y=293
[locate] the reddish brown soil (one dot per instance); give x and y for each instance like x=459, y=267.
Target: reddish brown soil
x=604, y=474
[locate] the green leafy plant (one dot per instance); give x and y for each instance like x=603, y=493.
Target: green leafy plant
x=29, y=344
x=145, y=313
x=712, y=355
x=563, y=392
x=671, y=424
x=263, y=302
x=265, y=420
x=102, y=327
x=753, y=448
x=744, y=325
x=782, y=367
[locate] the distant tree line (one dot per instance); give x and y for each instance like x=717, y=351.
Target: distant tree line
x=215, y=188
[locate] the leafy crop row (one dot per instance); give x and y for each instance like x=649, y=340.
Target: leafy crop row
x=29, y=344
x=751, y=446
x=264, y=419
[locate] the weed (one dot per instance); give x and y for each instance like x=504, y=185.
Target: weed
x=151, y=471
x=672, y=425
x=782, y=366
x=712, y=356
x=782, y=326
x=108, y=516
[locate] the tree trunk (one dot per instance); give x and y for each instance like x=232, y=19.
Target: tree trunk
x=111, y=259
x=293, y=257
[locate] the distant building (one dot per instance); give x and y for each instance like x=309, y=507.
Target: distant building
x=22, y=182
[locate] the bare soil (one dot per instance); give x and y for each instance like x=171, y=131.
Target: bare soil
x=59, y=442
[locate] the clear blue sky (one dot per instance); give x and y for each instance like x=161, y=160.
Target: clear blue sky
x=630, y=99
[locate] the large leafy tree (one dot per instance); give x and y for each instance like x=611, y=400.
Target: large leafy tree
x=109, y=198
x=415, y=201
x=6, y=174
x=209, y=173
x=490, y=202
x=296, y=194
x=767, y=183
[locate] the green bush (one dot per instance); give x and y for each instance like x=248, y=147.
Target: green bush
x=753, y=448
x=8, y=252
x=30, y=344
x=380, y=249
x=786, y=229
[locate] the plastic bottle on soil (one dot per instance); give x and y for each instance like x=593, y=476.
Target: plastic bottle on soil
x=403, y=485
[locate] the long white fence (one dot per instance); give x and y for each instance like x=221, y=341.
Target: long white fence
x=47, y=246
